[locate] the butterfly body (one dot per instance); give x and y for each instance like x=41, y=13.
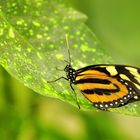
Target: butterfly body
x=106, y=86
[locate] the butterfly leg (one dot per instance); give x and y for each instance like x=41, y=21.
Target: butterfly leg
x=75, y=95
x=58, y=79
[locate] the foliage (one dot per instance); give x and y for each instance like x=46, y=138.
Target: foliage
x=33, y=48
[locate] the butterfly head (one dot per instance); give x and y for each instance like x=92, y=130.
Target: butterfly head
x=70, y=72
x=67, y=68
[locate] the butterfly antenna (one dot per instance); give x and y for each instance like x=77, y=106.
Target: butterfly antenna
x=67, y=43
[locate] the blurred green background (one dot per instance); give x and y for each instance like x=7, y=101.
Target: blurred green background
x=25, y=115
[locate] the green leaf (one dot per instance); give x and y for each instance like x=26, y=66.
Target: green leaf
x=33, y=46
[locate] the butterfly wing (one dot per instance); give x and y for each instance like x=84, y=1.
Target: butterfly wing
x=109, y=86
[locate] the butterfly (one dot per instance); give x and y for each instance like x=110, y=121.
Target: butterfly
x=105, y=85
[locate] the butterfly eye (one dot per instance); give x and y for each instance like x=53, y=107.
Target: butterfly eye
x=66, y=69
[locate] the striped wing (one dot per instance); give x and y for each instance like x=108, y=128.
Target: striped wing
x=109, y=86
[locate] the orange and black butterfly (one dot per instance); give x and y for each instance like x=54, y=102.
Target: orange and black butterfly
x=106, y=86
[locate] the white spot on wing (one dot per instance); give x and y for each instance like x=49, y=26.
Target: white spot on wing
x=135, y=97
x=106, y=105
